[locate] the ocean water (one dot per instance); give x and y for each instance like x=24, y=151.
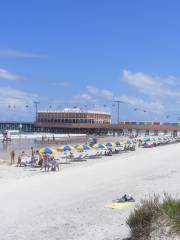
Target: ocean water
x=22, y=142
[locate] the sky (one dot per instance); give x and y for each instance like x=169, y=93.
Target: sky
x=88, y=54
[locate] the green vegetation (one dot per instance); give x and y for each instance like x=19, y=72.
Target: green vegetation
x=152, y=215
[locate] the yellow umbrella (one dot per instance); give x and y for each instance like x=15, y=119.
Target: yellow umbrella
x=83, y=147
x=123, y=143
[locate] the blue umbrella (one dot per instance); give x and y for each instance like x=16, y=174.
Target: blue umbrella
x=66, y=148
x=118, y=143
x=110, y=145
x=48, y=150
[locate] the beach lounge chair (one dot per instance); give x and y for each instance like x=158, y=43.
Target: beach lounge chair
x=99, y=155
x=81, y=157
x=95, y=156
x=92, y=156
x=25, y=161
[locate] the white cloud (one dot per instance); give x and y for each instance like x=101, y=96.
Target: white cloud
x=13, y=104
x=15, y=53
x=81, y=97
x=172, y=81
x=107, y=94
x=4, y=74
x=10, y=96
x=152, y=106
x=150, y=85
x=92, y=90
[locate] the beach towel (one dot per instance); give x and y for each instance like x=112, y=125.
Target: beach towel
x=121, y=205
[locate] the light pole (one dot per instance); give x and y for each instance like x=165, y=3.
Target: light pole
x=36, y=108
x=118, y=107
x=20, y=128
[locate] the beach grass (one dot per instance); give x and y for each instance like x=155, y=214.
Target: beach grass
x=170, y=207
x=153, y=215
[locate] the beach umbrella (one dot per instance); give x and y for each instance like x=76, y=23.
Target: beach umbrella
x=83, y=147
x=48, y=150
x=66, y=148
x=129, y=141
x=123, y=143
x=110, y=145
x=100, y=146
x=146, y=138
x=118, y=143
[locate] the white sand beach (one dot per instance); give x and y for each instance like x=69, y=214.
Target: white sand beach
x=69, y=205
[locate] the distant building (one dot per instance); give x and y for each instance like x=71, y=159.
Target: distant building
x=12, y=125
x=88, y=122
x=73, y=115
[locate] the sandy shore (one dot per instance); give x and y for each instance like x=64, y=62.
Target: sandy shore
x=69, y=205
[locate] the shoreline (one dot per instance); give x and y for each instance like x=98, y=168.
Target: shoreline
x=5, y=155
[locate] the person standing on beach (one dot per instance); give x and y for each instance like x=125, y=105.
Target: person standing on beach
x=12, y=157
x=33, y=160
x=32, y=152
x=40, y=158
x=19, y=161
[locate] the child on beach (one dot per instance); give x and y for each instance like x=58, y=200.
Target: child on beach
x=19, y=161
x=12, y=157
x=40, y=158
x=20, y=158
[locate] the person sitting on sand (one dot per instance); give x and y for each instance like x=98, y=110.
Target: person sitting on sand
x=55, y=164
x=125, y=198
x=117, y=149
x=71, y=156
x=128, y=198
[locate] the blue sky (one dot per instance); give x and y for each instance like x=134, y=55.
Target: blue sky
x=77, y=53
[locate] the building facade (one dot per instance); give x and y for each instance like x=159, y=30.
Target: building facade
x=73, y=116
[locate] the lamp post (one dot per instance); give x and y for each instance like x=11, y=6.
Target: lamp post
x=118, y=107
x=20, y=129
x=36, y=109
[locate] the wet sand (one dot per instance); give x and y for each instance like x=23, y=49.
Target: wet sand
x=70, y=204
